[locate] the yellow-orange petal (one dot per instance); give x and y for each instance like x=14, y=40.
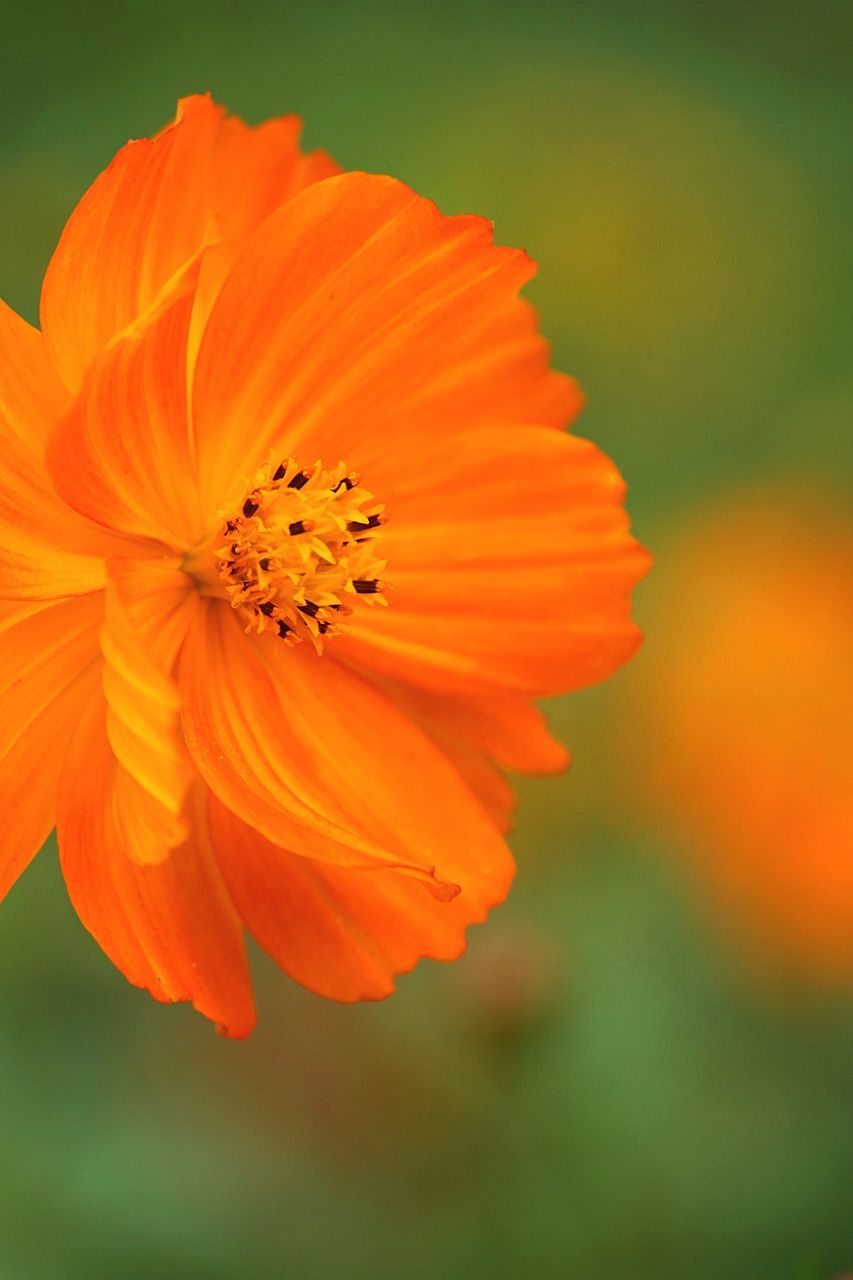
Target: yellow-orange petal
x=510, y=561
x=345, y=933
x=170, y=928
x=358, y=313
x=149, y=211
x=149, y=607
x=48, y=676
x=322, y=763
x=47, y=551
x=122, y=455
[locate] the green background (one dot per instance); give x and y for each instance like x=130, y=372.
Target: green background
x=597, y=1089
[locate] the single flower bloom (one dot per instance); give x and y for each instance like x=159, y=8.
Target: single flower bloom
x=749, y=692
x=291, y=536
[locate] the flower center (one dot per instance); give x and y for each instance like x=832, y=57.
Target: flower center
x=300, y=551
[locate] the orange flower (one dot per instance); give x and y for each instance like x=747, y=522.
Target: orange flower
x=245, y=699
x=753, y=706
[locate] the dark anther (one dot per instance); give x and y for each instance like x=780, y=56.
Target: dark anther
x=264, y=564
x=268, y=608
x=284, y=629
x=278, y=474
x=301, y=478
x=231, y=526
x=310, y=608
x=323, y=627
x=372, y=522
x=347, y=482
x=235, y=550
x=298, y=526
x=249, y=507
x=366, y=586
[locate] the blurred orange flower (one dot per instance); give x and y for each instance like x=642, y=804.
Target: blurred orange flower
x=753, y=710
x=246, y=362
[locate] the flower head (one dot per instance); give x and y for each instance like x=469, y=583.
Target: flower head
x=299, y=544
x=753, y=703
x=291, y=536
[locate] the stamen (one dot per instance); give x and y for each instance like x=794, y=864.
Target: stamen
x=372, y=522
x=289, y=562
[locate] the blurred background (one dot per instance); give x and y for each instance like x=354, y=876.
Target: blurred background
x=643, y=1067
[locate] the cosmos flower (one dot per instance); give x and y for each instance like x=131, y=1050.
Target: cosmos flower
x=291, y=536
x=748, y=686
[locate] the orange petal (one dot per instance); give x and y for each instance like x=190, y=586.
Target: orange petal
x=139, y=222
x=47, y=678
x=148, y=213
x=136, y=480
x=46, y=550
x=171, y=927
x=253, y=171
x=238, y=737
x=511, y=564
x=356, y=313
x=320, y=761
x=493, y=791
x=149, y=606
x=475, y=731
x=503, y=726
x=346, y=932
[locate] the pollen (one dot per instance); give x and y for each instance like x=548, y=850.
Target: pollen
x=299, y=552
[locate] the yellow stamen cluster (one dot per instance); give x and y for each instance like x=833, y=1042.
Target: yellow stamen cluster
x=300, y=551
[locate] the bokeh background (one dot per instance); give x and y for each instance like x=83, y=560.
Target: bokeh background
x=608, y=1084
